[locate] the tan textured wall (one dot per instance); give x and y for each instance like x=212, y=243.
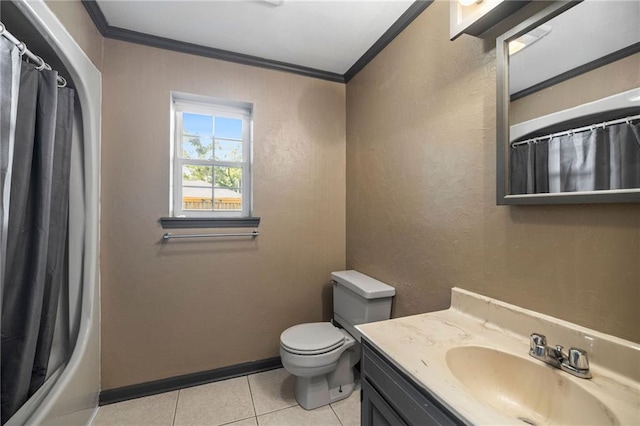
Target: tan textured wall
x=620, y=76
x=189, y=306
x=421, y=183
x=77, y=21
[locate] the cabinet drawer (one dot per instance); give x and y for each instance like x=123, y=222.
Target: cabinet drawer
x=415, y=406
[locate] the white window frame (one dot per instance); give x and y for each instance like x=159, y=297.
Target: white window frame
x=181, y=103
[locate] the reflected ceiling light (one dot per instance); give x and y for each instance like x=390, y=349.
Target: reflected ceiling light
x=469, y=2
x=515, y=46
x=529, y=38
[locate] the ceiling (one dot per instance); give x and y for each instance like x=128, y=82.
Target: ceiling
x=588, y=31
x=328, y=36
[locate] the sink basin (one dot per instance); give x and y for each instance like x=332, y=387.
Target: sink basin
x=525, y=389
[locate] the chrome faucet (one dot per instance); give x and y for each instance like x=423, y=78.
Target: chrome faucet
x=576, y=362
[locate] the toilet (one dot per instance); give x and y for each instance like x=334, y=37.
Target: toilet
x=321, y=355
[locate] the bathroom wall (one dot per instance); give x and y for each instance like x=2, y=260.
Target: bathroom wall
x=620, y=76
x=193, y=305
x=421, y=211
x=78, y=23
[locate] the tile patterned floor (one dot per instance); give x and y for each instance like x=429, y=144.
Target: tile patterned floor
x=263, y=399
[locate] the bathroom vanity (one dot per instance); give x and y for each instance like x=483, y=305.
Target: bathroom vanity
x=470, y=364
x=387, y=392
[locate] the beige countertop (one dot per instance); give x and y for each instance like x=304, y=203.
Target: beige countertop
x=418, y=345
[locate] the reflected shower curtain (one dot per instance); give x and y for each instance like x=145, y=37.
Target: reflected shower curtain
x=35, y=262
x=597, y=159
x=9, y=84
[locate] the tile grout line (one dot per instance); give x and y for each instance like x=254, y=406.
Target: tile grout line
x=253, y=403
x=336, y=414
x=239, y=420
x=281, y=409
x=269, y=412
x=175, y=409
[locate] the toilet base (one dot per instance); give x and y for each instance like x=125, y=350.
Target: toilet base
x=317, y=391
x=314, y=392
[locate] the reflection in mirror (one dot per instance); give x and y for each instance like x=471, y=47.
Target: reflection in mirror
x=569, y=105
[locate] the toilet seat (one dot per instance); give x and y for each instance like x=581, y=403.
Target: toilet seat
x=312, y=338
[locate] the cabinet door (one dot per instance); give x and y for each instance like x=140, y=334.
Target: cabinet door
x=375, y=410
x=414, y=406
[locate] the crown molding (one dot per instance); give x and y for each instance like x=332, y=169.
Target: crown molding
x=394, y=30
x=123, y=34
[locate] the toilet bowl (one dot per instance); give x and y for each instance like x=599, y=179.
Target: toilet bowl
x=324, y=372
x=322, y=355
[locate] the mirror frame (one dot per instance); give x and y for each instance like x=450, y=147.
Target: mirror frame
x=503, y=127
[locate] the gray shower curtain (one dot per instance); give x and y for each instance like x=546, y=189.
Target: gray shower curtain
x=594, y=160
x=35, y=263
x=9, y=84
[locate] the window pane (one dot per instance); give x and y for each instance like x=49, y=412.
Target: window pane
x=197, y=187
x=228, y=150
x=197, y=147
x=228, y=177
x=197, y=124
x=228, y=188
x=228, y=128
x=227, y=198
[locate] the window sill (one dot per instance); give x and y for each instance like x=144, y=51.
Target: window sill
x=209, y=222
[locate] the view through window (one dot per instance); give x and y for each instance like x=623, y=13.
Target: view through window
x=212, y=167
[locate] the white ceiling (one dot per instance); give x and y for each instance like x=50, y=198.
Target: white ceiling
x=584, y=33
x=329, y=35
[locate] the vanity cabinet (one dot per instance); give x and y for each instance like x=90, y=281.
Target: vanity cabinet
x=391, y=398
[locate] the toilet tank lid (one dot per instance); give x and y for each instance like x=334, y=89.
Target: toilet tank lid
x=362, y=284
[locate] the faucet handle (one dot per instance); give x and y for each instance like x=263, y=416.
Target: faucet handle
x=538, y=340
x=577, y=363
x=578, y=359
x=538, y=345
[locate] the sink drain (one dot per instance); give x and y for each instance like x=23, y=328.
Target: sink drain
x=527, y=421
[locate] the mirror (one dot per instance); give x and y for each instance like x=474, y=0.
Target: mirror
x=569, y=105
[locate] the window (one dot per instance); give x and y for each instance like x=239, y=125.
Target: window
x=211, y=152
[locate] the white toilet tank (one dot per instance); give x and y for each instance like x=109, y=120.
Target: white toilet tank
x=359, y=299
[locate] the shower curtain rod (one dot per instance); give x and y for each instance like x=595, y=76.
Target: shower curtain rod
x=578, y=130
x=22, y=47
